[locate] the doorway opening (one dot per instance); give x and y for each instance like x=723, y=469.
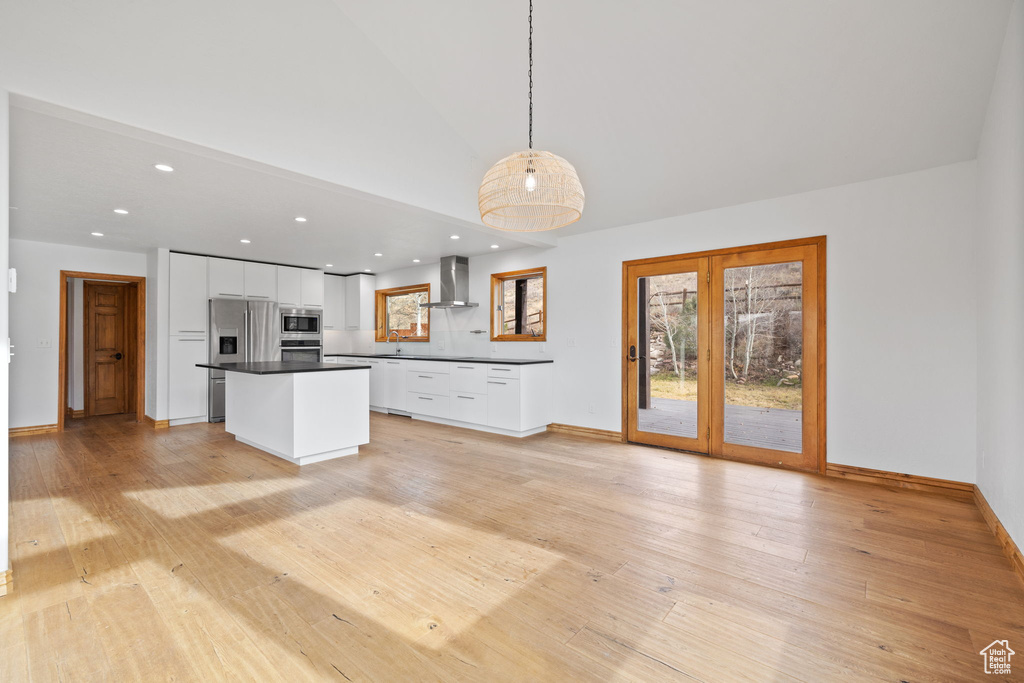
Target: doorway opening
x=102, y=354
x=725, y=353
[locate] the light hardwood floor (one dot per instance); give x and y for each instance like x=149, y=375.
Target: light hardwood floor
x=445, y=554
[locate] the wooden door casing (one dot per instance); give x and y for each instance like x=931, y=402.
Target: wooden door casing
x=106, y=349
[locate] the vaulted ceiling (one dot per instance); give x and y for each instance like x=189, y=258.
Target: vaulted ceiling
x=665, y=107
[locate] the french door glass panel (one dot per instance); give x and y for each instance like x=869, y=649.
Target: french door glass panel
x=763, y=356
x=667, y=376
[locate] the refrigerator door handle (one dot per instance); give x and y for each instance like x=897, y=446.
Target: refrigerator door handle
x=248, y=337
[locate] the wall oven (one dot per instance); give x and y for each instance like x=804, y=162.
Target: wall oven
x=309, y=350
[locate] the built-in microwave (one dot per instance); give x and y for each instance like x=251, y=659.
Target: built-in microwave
x=300, y=323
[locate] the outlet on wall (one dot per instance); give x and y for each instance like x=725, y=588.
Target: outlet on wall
x=440, y=345
x=44, y=344
x=591, y=408
x=542, y=348
x=571, y=342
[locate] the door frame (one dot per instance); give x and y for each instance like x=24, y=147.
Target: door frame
x=820, y=288
x=140, y=340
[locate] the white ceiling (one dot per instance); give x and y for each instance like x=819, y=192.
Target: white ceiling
x=665, y=107
x=69, y=177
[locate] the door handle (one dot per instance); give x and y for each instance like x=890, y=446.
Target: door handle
x=632, y=357
x=118, y=356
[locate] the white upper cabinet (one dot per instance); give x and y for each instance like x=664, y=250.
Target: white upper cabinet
x=289, y=286
x=260, y=281
x=334, y=302
x=359, y=293
x=227, y=279
x=311, y=293
x=188, y=294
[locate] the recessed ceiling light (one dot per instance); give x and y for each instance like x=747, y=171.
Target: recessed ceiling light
x=455, y=237
x=494, y=246
x=300, y=219
x=163, y=167
x=367, y=271
x=121, y=211
x=245, y=241
x=329, y=265
x=97, y=234
x=378, y=254
x=415, y=260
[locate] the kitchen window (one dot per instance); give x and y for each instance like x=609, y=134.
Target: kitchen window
x=519, y=305
x=398, y=310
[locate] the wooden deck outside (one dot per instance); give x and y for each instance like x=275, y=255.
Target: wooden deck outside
x=744, y=425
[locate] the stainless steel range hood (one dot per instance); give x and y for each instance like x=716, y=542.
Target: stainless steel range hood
x=454, y=284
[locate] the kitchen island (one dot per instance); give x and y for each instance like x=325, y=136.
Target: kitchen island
x=302, y=412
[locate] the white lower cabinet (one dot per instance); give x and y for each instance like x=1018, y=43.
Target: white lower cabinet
x=188, y=385
x=503, y=398
x=395, y=385
x=376, y=381
x=503, y=404
x=467, y=407
x=425, y=404
x=427, y=382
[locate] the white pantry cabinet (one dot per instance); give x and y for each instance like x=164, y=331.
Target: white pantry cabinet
x=188, y=387
x=359, y=302
x=334, y=302
x=260, y=281
x=187, y=294
x=289, y=286
x=311, y=290
x=227, y=279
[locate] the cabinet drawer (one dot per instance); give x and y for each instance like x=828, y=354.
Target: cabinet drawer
x=467, y=407
x=427, y=383
x=428, y=366
x=506, y=371
x=468, y=377
x=423, y=404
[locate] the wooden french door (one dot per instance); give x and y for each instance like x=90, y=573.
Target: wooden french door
x=724, y=353
x=106, y=348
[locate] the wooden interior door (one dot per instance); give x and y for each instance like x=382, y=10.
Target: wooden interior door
x=106, y=348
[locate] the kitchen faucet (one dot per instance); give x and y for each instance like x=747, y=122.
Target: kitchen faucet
x=398, y=341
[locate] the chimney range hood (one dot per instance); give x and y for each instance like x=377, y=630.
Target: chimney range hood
x=454, y=284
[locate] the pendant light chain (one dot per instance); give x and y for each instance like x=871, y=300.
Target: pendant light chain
x=531, y=74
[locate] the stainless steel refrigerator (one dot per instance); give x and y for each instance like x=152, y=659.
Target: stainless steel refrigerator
x=240, y=331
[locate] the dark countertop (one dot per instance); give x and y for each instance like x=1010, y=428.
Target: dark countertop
x=449, y=359
x=279, y=367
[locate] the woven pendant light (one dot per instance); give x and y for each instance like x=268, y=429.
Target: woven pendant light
x=531, y=190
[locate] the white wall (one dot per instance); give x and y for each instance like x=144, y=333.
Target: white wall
x=4, y=302
x=901, y=342
x=35, y=318
x=157, y=324
x=1000, y=287
x=76, y=342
